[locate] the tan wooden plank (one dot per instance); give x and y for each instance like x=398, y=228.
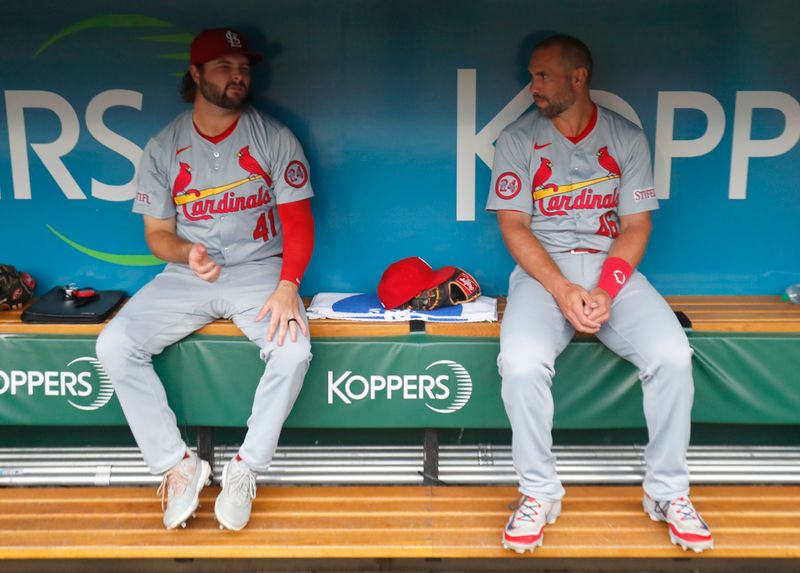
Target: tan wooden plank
x=10, y=323
x=336, y=494
x=10, y=327
x=374, y=521
x=482, y=329
x=745, y=313
x=618, y=492
x=559, y=542
x=356, y=493
x=110, y=506
x=707, y=300
x=571, y=519
x=652, y=536
x=755, y=327
x=740, y=313
x=259, y=521
x=327, y=328
x=213, y=543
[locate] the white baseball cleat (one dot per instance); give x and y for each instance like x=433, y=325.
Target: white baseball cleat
x=686, y=528
x=525, y=528
x=180, y=490
x=235, y=501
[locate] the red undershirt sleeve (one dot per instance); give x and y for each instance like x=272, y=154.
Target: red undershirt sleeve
x=298, y=239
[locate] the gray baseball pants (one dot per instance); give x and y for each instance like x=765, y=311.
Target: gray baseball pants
x=642, y=329
x=172, y=306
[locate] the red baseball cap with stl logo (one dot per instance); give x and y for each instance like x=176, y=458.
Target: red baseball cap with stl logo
x=217, y=42
x=406, y=278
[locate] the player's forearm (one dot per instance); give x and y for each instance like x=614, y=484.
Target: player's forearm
x=631, y=243
x=529, y=254
x=298, y=245
x=167, y=246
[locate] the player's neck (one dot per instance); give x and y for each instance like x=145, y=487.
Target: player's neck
x=211, y=120
x=574, y=121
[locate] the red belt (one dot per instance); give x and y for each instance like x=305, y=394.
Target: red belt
x=584, y=251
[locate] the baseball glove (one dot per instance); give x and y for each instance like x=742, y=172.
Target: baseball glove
x=16, y=288
x=459, y=288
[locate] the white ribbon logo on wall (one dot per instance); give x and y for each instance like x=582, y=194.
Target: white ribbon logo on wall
x=445, y=388
x=77, y=387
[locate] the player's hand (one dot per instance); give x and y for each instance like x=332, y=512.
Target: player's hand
x=202, y=265
x=284, y=311
x=601, y=311
x=577, y=305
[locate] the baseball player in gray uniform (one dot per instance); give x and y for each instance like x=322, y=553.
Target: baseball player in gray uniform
x=573, y=190
x=225, y=195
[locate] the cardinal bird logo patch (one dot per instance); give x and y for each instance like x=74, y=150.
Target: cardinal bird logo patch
x=607, y=162
x=182, y=180
x=252, y=166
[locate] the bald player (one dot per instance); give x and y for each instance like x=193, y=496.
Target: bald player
x=225, y=195
x=572, y=188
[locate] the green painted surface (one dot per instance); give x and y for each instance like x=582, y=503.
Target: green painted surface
x=405, y=382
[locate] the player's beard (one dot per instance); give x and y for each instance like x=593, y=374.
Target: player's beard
x=558, y=104
x=220, y=97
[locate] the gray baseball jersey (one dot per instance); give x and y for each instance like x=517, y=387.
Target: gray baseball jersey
x=224, y=195
x=574, y=193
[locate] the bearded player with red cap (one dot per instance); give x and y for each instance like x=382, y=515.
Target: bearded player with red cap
x=237, y=237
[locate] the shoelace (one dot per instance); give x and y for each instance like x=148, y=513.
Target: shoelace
x=242, y=485
x=683, y=507
x=172, y=485
x=527, y=510
x=686, y=510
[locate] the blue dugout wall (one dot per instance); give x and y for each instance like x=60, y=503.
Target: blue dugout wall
x=397, y=105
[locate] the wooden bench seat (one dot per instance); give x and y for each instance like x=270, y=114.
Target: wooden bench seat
x=386, y=522
x=10, y=323
x=756, y=522
x=707, y=313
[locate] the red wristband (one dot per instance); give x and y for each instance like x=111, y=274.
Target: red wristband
x=614, y=275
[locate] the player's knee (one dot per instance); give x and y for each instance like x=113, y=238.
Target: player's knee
x=110, y=346
x=524, y=362
x=297, y=353
x=524, y=376
x=673, y=361
x=115, y=349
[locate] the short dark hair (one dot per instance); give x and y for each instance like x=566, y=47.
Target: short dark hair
x=575, y=52
x=188, y=88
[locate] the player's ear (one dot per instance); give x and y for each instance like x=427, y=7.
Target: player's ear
x=580, y=76
x=194, y=71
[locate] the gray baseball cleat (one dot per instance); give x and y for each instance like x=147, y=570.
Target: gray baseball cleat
x=235, y=501
x=180, y=490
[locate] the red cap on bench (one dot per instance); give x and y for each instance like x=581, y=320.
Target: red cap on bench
x=406, y=278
